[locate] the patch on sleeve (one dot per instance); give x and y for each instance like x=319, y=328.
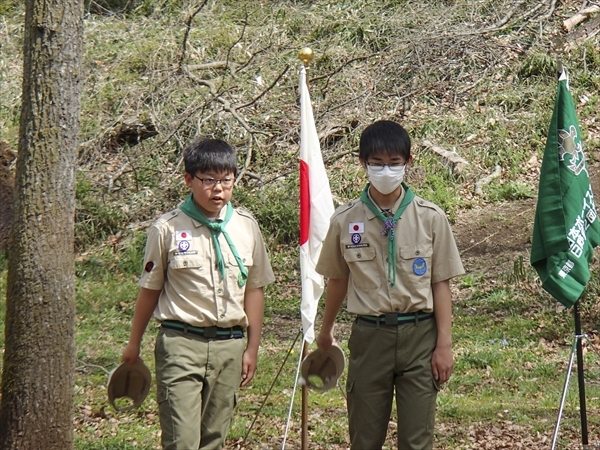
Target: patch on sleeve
x=149, y=266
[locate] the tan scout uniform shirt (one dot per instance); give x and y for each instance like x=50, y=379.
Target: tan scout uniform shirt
x=426, y=253
x=180, y=260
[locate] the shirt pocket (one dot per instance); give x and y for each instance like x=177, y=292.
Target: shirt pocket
x=233, y=270
x=363, y=266
x=415, y=262
x=187, y=262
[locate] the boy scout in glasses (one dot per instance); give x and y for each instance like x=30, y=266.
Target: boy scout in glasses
x=205, y=268
x=391, y=254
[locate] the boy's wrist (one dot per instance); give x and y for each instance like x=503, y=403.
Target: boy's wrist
x=252, y=349
x=444, y=344
x=327, y=326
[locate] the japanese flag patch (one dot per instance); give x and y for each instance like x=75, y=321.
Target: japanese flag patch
x=356, y=227
x=183, y=235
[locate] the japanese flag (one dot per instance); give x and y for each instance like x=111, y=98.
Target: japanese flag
x=316, y=208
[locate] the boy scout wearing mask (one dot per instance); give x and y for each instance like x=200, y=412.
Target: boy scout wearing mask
x=391, y=254
x=205, y=268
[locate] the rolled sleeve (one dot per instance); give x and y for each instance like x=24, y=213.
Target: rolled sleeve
x=155, y=261
x=446, y=262
x=260, y=272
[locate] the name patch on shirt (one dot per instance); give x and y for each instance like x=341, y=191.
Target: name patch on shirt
x=191, y=252
x=357, y=245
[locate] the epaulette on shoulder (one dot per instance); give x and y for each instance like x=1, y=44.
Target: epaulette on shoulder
x=345, y=207
x=167, y=216
x=245, y=213
x=427, y=204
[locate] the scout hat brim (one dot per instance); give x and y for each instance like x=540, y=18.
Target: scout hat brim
x=321, y=369
x=130, y=381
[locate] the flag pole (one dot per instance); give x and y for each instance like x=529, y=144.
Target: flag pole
x=306, y=55
x=577, y=320
x=580, y=379
x=304, y=439
x=316, y=209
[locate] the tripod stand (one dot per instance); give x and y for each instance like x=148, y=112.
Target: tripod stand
x=577, y=348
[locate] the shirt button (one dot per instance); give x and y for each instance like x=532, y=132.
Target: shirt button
x=185, y=263
x=358, y=255
x=222, y=316
x=418, y=252
x=219, y=291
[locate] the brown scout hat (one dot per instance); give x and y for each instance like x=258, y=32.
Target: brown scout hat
x=129, y=380
x=322, y=368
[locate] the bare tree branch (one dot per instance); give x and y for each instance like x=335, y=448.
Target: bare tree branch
x=251, y=102
x=188, y=27
x=339, y=69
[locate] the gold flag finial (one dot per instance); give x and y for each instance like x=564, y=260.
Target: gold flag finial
x=306, y=55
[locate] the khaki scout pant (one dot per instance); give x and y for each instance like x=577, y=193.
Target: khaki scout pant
x=384, y=358
x=197, y=385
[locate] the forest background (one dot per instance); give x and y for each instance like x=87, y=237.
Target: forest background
x=476, y=79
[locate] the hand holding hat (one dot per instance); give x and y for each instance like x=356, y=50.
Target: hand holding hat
x=321, y=369
x=131, y=381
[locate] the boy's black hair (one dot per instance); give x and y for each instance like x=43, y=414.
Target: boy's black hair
x=384, y=137
x=209, y=155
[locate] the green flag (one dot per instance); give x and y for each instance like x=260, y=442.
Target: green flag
x=566, y=227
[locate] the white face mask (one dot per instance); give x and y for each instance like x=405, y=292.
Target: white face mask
x=387, y=180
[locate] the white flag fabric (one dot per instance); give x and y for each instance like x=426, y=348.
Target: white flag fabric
x=316, y=208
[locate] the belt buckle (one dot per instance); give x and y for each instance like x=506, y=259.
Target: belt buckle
x=391, y=319
x=210, y=332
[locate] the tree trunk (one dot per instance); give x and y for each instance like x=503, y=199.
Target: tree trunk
x=36, y=410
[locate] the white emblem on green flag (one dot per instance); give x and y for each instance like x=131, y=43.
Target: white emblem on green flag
x=566, y=227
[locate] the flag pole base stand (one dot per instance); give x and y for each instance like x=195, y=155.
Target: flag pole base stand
x=578, y=338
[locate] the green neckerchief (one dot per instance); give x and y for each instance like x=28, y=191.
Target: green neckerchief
x=389, y=224
x=216, y=228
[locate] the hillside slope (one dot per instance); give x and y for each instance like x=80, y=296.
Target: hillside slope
x=474, y=77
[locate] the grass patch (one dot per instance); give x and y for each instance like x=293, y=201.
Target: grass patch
x=507, y=347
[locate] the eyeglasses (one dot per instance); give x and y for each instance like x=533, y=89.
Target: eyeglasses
x=394, y=167
x=211, y=182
